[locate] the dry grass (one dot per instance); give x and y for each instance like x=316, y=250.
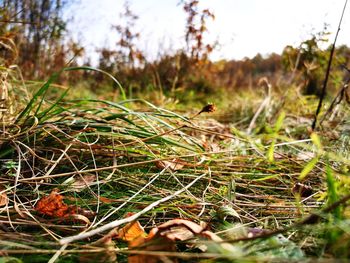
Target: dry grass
x=112, y=158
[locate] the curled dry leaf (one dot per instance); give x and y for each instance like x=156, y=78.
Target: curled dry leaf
x=106, y=200
x=83, y=181
x=161, y=238
x=169, y=228
x=3, y=197
x=131, y=231
x=137, y=238
x=173, y=165
x=53, y=206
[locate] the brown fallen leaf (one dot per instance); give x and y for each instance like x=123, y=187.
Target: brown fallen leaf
x=52, y=205
x=173, y=165
x=161, y=238
x=137, y=238
x=3, y=197
x=106, y=200
x=83, y=182
x=178, y=224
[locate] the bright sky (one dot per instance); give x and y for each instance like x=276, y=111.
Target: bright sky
x=242, y=27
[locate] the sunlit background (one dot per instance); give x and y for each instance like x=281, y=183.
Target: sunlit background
x=242, y=28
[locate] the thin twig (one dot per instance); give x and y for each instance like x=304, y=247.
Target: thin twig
x=57, y=254
x=337, y=100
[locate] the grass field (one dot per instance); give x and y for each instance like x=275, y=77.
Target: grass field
x=248, y=182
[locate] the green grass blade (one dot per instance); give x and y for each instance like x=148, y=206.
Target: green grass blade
x=308, y=168
x=36, y=96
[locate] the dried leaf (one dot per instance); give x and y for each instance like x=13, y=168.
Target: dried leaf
x=106, y=200
x=52, y=205
x=83, y=181
x=193, y=227
x=131, y=231
x=164, y=237
x=153, y=242
x=156, y=244
x=3, y=197
x=173, y=165
x=161, y=238
x=180, y=233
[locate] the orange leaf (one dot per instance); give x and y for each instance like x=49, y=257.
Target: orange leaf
x=162, y=238
x=52, y=205
x=106, y=200
x=131, y=231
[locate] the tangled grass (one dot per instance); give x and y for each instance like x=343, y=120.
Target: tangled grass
x=277, y=193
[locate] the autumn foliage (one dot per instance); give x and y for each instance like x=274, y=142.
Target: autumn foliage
x=162, y=238
x=53, y=206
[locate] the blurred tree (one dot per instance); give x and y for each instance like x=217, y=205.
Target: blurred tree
x=126, y=55
x=311, y=60
x=127, y=50
x=37, y=28
x=196, y=27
